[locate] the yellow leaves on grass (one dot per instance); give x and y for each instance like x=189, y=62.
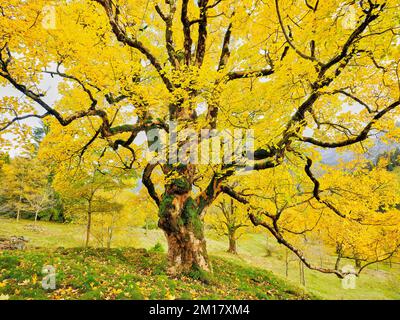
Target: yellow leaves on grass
x=64, y=293
x=34, y=279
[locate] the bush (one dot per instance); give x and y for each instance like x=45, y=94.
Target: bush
x=158, y=247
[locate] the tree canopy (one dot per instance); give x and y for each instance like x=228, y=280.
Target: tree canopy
x=304, y=75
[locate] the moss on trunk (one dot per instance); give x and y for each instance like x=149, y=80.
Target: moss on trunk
x=180, y=220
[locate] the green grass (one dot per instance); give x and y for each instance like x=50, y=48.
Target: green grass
x=383, y=283
x=131, y=274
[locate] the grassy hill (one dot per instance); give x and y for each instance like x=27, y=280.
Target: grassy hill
x=125, y=272
x=132, y=274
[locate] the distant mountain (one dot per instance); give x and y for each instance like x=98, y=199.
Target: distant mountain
x=332, y=156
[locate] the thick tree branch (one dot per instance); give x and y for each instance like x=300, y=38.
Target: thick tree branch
x=225, y=52
x=279, y=237
x=342, y=59
x=214, y=188
x=369, y=17
x=120, y=32
x=168, y=19
x=148, y=183
x=363, y=135
x=353, y=97
x=202, y=33
x=7, y=124
x=311, y=7
x=249, y=74
x=4, y=72
x=288, y=40
x=385, y=257
x=316, y=190
x=186, y=32
x=66, y=76
x=235, y=195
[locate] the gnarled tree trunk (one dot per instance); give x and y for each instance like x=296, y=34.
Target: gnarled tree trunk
x=187, y=251
x=182, y=222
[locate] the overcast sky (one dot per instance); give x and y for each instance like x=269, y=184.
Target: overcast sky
x=48, y=85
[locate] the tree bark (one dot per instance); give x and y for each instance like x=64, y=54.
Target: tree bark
x=302, y=275
x=183, y=227
x=109, y=237
x=19, y=208
x=232, y=226
x=232, y=244
x=88, y=227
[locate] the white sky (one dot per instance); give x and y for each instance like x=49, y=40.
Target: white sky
x=49, y=85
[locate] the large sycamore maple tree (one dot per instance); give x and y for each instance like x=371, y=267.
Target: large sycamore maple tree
x=305, y=75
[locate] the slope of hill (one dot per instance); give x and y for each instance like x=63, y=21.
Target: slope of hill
x=59, y=244
x=131, y=274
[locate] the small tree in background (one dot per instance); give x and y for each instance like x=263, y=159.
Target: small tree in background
x=229, y=221
x=40, y=200
x=92, y=196
x=114, y=216
x=12, y=191
x=85, y=195
x=37, y=191
x=26, y=187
